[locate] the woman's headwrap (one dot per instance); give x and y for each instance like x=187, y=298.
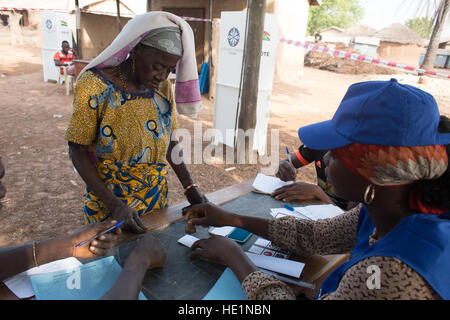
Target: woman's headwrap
x=158, y=29
x=166, y=39
x=396, y=165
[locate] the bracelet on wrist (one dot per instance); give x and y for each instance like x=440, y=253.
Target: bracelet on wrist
x=194, y=185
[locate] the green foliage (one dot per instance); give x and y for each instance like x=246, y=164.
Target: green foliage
x=334, y=13
x=423, y=26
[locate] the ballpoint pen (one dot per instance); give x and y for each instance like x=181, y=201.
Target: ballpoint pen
x=289, y=158
x=118, y=224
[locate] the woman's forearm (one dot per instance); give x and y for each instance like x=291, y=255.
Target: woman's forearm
x=21, y=258
x=87, y=171
x=256, y=225
x=129, y=283
x=241, y=265
x=179, y=167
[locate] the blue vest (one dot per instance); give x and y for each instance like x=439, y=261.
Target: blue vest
x=421, y=241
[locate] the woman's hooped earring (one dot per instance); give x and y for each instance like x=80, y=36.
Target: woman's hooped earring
x=369, y=194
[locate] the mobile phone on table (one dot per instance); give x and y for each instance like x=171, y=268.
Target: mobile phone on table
x=239, y=235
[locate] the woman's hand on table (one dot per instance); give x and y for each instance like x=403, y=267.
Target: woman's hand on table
x=208, y=214
x=225, y=251
x=301, y=191
x=150, y=251
x=97, y=246
x=216, y=249
x=133, y=223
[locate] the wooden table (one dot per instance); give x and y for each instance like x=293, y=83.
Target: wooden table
x=316, y=267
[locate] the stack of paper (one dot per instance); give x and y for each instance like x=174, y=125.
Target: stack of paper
x=86, y=282
x=312, y=212
x=266, y=184
x=284, y=266
x=20, y=284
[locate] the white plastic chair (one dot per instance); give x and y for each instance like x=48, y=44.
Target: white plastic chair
x=65, y=78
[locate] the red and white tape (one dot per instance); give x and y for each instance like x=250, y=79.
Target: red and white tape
x=22, y=9
x=199, y=20
x=360, y=57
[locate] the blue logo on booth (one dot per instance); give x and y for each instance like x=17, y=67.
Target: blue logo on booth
x=233, y=37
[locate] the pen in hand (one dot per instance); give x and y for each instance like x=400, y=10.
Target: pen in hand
x=290, y=161
x=101, y=233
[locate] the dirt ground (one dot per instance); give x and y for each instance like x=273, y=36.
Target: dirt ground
x=44, y=197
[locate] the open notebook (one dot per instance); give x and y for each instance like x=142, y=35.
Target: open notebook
x=267, y=184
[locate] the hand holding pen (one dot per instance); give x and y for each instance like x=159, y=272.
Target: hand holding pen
x=94, y=239
x=286, y=169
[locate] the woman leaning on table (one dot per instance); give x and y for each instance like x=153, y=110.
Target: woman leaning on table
x=124, y=109
x=388, y=150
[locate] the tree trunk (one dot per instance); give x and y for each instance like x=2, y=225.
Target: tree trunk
x=430, y=55
x=252, y=58
x=78, y=35
x=119, y=26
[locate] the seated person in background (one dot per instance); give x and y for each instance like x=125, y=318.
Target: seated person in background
x=65, y=58
x=148, y=253
x=298, y=191
x=388, y=150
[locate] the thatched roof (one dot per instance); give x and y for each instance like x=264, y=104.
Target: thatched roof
x=360, y=31
x=399, y=33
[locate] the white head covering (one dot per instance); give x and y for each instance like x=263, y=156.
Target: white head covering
x=187, y=90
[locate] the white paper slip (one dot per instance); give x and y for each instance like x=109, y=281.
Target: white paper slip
x=20, y=284
x=284, y=266
x=187, y=240
x=256, y=250
x=312, y=212
x=277, y=215
x=262, y=242
x=320, y=211
x=282, y=212
x=267, y=185
x=221, y=231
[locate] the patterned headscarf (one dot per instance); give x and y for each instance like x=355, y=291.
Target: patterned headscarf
x=395, y=165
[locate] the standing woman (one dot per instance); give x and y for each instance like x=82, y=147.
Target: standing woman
x=124, y=110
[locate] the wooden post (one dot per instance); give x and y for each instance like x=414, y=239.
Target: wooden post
x=119, y=26
x=252, y=58
x=78, y=27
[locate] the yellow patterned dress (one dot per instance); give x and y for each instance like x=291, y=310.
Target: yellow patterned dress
x=130, y=134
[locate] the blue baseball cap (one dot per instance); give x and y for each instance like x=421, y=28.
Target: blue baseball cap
x=381, y=113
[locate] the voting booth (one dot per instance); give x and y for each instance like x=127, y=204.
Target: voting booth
x=55, y=29
x=229, y=76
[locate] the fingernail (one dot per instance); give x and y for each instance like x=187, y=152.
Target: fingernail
x=94, y=243
x=92, y=248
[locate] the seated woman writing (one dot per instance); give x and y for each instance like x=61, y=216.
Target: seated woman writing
x=124, y=109
x=389, y=151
